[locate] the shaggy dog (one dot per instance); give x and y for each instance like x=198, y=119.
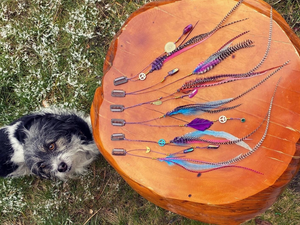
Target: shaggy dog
x=51, y=144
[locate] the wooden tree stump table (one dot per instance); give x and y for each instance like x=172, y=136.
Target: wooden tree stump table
x=228, y=195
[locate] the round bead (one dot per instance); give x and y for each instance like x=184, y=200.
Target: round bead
x=142, y=76
x=161, y=142
x=243, y=120
x=222, y=119
x=169, y=47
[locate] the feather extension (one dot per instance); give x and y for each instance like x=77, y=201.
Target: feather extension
x=204, y=82
x=268, y=116
x=224, y=52
x=202, y=166
x=192, y=109
x=208, y=81
x=194, y=137
x=194, y=41
x=198, y=166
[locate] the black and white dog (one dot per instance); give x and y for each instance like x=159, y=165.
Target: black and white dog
x=51, y=144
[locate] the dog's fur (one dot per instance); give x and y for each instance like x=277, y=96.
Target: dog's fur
x=50, y=144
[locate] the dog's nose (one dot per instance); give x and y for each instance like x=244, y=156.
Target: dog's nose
x=62, y=167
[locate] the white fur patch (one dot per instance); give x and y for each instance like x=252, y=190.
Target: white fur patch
x=77, y=157
x=18, y=155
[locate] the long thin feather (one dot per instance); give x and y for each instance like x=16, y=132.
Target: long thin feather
x=204, y=82
x=192, y=109
x=198, y=166
x=224, y=52
x=194, y=137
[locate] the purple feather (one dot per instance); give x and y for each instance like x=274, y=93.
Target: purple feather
x=206, y=66
x=200, y=124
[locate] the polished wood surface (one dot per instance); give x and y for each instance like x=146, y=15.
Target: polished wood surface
x=224, y=196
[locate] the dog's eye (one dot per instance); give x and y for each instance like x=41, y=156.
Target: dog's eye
x=52, y=147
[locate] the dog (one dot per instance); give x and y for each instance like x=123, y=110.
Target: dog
x=52, y=144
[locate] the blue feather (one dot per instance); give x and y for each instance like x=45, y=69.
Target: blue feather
x=192, y=109
x=196, y=167
x=193, y=136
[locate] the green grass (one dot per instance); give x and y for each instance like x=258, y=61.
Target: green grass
x=53, y=51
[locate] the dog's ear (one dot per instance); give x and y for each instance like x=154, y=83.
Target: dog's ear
x=74, y=124
x=26, y=123
x=81, y=128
